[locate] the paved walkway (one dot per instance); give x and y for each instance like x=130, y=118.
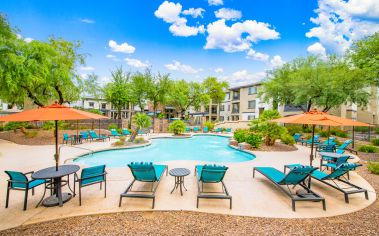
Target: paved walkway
x=251, y=197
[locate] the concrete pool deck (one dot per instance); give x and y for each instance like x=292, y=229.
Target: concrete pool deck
x=251, y=196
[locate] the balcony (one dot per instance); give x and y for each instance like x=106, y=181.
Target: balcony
x=235, y=111
x=236, y=97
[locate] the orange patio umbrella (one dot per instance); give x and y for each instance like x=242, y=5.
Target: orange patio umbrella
x=53, y=112
x=316, y=117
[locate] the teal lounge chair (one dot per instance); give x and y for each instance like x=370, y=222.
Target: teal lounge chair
x=94, y=135
x=326, y=148
x=211, y=174
x=66, y=138
x=228, y=130
x=125, y=131
x=90, y=176
x=144, y=172
x=296, y=177
x=334, y=163
x=297, y=137
x=332, y=179
x=205, y=129
x=218, y=130
x=114, y=133
x=20, y=181
x=188, y=129
x=309, y=141
x=340, y=151
x=85, y=135
x=195, y=129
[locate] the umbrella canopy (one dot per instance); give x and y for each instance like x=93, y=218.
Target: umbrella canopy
x=316, y=117
x=53, y=112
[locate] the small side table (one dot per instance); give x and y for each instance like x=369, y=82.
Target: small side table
x=179, y=174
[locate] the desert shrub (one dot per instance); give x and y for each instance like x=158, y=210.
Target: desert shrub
x=31, y=134
x=294, y=129
x=139, y=140
x=209, y=124
x=14, y=125
x=323, y=133
x=287, y=139
x=1, y=128
x=307, y=129
x=177, y=127
x=112, y=126
x=373, y=167
x=377, y=130
x=270, y=131
x=361, y=129
x=161, y=116
x=375, y=141
x=368, y=149
x=254, y=139
x=119, y=143
x=49, y=125
x=338, y=133
x=240, y=135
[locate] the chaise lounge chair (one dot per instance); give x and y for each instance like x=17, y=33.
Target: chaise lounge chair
x=94, y=136
x=211, y=174
x=195, y=129
x=66, y=138
x=296, y=176
x=147, y=173
x=85, y=135
x=205, y=129
x=125, y=131
x=297, y=137
x=218, y=130
x=228, y=130
x=114, y=133
x=309, y=141
x=188, y=129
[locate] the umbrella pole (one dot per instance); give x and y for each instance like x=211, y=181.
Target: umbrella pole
x=77, y=127
x=56, y=146
x=328, y=134
x=353, y=137
x=99, y=127
x=313, y=136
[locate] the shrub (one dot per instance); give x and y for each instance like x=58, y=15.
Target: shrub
x=119, y=143
x=209, y=124
x=375, y=141
x=255, y=140
x=177, y=127
x=338, y=133
x=361, y=129
x=31, y=134
x=307, y=129
x=323, y=133
x=161, y=116
x=112, y=126
x=1, y=128
x=368, y=149
x=240, y=135
x=49, y=125
x=294, y=129
x=14, y=125
x=373, y=167
x=271, y=131
x=377, y=130
x=287, y=139
x=139, y=140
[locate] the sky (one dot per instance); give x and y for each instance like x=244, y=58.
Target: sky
x=235, y=40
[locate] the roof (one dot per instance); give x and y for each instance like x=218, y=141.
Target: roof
x=245, y=86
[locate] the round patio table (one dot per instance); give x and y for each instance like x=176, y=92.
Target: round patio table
x=179, y=174
x=58, y=198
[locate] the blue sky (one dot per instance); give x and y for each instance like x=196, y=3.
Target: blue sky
x=235, y=40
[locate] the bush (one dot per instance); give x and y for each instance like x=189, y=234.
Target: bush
x=177, y=127
x=375, y=141
x=255, y=140
x=294, y=129
x=112, y=126
x=210, y=125
x=271, y=131
x=14, y=125
x=368, y=149
x=361, y=129
x=307, y=129
x=31, y=134
x=240, y=135
x=338, y=133
x=161, y=116
x=323, y=133
x=1, y=128
x=49, y=125
x=287, y=139
x=139, y=140
x=373, y=167
x=377, y=130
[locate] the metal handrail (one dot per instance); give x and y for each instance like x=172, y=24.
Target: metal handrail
x=91, y=151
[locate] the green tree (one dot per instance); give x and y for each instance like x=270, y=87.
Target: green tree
x=91, y=86
x=216, y=91
x=183, y=95
x=140, y=121
x=117, y=91
x=139, y=86
x=177, y=127
x=157, y=92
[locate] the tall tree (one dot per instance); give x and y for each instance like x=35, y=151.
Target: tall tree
x=140, y=84
x=216, y=91
x=117, y=92
x=157, y=92
x=91, y=86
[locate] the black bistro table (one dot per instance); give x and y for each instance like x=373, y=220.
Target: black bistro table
x=179, y=174
x=58, y=198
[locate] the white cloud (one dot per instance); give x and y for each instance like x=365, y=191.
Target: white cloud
x=228, y=14
x=178, y=66
x=239, y=36
x=219, y=70
x=243, y=77
x=110, y=56
x=137, y=63
x=215, y=2
x=258, y=56
x=341, y=22
x=88, y=21
x=28, y=40
x=87, y=68
x=124, y=47
x=194, y=12
x=170, y=13
x=317, y=49
x=277, y=61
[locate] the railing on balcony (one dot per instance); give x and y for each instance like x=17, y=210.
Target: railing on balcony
x=236, y=97
x=235, y=110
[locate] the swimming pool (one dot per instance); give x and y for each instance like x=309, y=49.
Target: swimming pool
x=198, y=148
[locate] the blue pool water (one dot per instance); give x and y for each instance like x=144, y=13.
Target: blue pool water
x=198, y=148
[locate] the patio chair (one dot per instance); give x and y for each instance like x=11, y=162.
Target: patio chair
x=309, y=141
x=333, y=163
x=218, y=130
x=94, y=136
x=345, y=146
x=147, y=173
x=90, y=176
x=228, y=130
x=66, y=138
x=125, y=131
x=297, y=137
x=340, y=151
x=211, y=174
x=85, y=135
x=296, y=177
x=188, y=129
x=20, y=181
x=326, y=148
x=114, y=133
x=195, y=129
x=205, y=129
x=337, y=176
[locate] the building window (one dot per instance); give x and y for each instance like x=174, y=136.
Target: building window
x=236, y=108
x=236, y=95
x=250, y=117
x=221, y=118
x=251, y=104
x=103, y=106
x=227, y=96
x=222, y=108
x=228, y=107
x=91, y=104
x=252, y=90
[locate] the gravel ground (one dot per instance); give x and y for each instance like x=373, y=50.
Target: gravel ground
x=364, y=222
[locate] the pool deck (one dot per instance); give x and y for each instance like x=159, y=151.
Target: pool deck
x=251, y=196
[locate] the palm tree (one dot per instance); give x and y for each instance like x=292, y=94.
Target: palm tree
x=140, y=121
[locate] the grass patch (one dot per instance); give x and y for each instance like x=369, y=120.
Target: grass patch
x=373, y=167
x=368, y=149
